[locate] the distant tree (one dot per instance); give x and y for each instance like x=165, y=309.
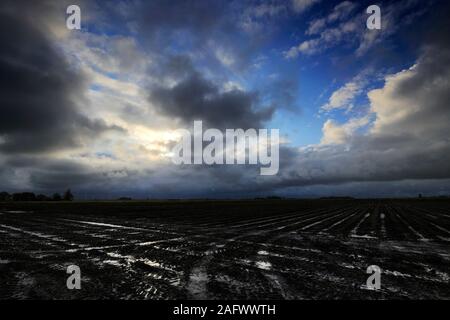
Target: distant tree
x=56, y=197
x=5, y=196
x=125, y=199
x=68, y=196
x=24, y=196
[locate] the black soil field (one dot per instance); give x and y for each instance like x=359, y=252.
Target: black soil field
x=265, y=249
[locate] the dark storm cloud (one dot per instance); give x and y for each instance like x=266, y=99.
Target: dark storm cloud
x=196, y=98
x=175, y=30
x=204, y=31
x=50, y=174
x=41, y=173
x=38, y=88
x=64, y=176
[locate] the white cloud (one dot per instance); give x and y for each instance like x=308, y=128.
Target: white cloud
x=232, y=85
x=339, y=12
x=328, y=38
x=414, y=103
x=307, y=47
x=108, y=54
x=225, y=57
x=334, y=133
x=316, y=26
x=118, y=86
x=342, y=98
x=388, y=106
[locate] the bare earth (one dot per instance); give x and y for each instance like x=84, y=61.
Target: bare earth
x=271, y=249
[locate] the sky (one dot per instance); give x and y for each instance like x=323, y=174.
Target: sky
x=361, y=112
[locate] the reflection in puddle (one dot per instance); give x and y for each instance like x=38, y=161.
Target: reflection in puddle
x=264, y=265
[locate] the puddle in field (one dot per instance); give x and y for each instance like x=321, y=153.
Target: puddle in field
x=148, y=243
x=444, y=276
x=129, y=259
x=151, y=291
x=169, y=249
x=36, y=234
x=266, y=253
x=155, y=264
x=100, y=224
x=272, y=245
x=365, y=287
x=154, y=276
x=364, y=236
x=440, y=276
x=346, y=265
x=397, y=274
x=116, y=227
x=113, y=263
x=283, y=256
x=264, y=265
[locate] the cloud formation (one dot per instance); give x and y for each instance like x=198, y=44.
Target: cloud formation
x=152, y=66
x=303, y=5
x=40, y=91
x=408, y=139
x=196, y=98
x=347, y=25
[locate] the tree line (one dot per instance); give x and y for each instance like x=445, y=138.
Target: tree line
x=30, y=196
